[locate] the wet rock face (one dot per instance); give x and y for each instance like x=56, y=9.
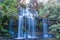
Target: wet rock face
x=36, y=4
x=32, y=4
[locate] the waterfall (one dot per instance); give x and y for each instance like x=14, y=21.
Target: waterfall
x=31, y=24
x=20, y=34
x=45, y=28
x=11, y=26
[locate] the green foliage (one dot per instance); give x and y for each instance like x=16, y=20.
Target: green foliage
x=40, y=24
x=57, y=35
x=55, y=27
x=49, y=11
x=2, y=29
x=43, y=10
x=9, y=8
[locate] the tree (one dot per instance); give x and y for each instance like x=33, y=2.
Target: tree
x=9, y=7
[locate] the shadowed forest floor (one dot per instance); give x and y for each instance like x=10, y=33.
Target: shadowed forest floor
x=5, y=38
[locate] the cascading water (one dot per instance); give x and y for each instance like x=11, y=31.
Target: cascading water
x=31, y=24
x=25, y=13
x=31, y=27
x=20, y=34
x=11, y=29
x=20, y=28
x=45, y=28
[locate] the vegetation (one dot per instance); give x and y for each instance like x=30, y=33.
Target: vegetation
x=52, y=13
x=9, y=8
